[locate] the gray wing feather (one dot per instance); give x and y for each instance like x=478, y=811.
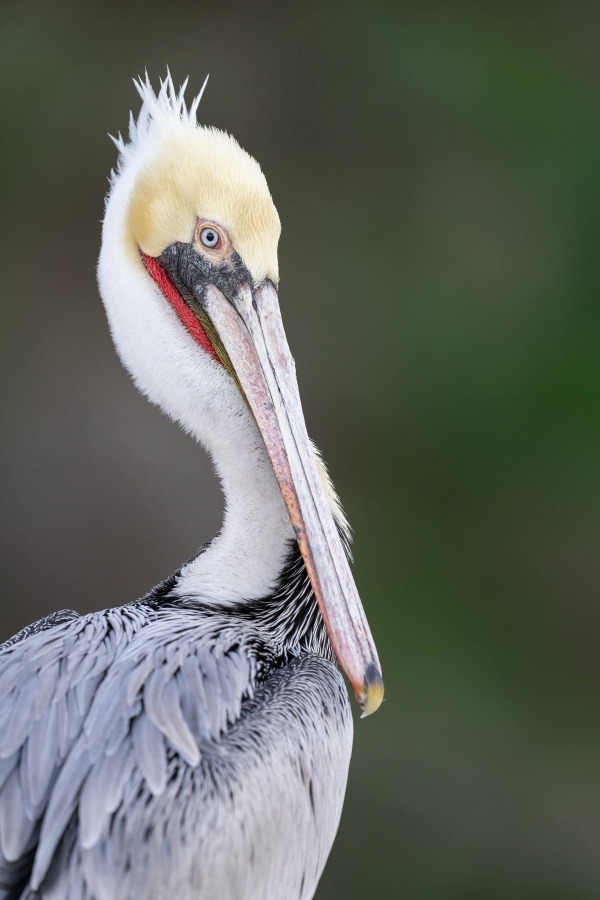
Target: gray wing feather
x=84, y=692
x=40, y=754
x=19, y=723
x=138, y=677
x=9, y=678
x=60, y=808
x=150, y=753
x=101, y=794
x=48, y=677
x=211, y=690
x=47, y=688
x=6, y=767
x=62, y=736
x=118, y=734
x=162, y=705
x=16, y=828
x=193, y=701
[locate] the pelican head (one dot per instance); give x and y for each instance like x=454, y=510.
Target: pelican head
x=188, y=273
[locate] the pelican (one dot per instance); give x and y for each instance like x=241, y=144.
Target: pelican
x=195, y=744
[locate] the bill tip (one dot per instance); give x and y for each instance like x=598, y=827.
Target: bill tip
x=371, y=697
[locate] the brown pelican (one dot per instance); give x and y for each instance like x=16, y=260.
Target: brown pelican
x=195, y=743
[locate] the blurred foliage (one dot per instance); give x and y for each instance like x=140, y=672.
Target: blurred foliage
x=435, y=166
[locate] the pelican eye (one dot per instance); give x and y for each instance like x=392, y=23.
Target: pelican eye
x=210, y=237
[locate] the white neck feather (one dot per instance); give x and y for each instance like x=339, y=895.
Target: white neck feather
x=245, y=560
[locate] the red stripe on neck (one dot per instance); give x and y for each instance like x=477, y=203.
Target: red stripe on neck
x=187, y=317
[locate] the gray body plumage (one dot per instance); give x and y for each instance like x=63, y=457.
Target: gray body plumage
x=165, y=749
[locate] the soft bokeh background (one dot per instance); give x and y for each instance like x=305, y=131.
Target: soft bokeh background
x=436, y=167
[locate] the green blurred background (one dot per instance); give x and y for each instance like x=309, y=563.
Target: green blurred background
x=435, y=166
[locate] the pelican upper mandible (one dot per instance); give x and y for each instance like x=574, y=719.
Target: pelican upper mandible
x=195, y=744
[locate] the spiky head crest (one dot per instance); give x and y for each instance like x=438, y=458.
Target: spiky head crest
x=186, y=171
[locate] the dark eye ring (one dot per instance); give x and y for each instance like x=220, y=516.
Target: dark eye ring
x=210, y=237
